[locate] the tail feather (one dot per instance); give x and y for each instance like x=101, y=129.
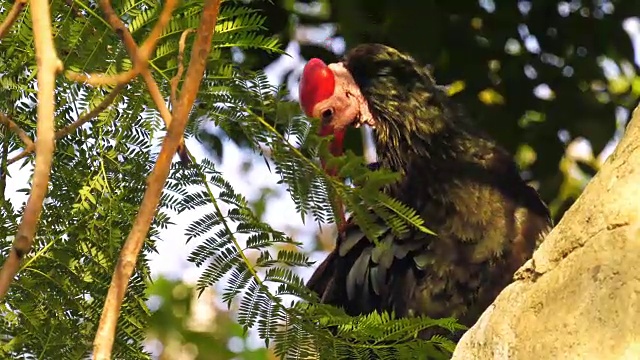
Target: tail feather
x=322, y=279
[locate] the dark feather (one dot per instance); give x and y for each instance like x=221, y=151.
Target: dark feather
x=465, y=186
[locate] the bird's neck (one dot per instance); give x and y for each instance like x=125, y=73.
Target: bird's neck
x=404, y=150
x=432, y=162
x=422, y=162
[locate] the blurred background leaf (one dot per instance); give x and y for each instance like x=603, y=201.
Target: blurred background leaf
x=185, y=326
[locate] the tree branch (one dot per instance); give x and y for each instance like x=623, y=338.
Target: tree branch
x=92, y=113
x=104, y=339
x=135, y=54
x=100, y=79
x=140, y=59
x=48, y=66
x=3, y=166
x=16, y=9
x=26, y=140
x=176, y=79
x=83, y=119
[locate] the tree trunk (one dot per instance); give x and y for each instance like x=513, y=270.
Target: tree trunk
x=579, y=297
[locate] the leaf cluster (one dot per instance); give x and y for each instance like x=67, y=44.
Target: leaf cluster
x=255, y=263
x=98, y=175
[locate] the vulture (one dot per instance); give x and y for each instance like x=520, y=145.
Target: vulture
x=465, y=186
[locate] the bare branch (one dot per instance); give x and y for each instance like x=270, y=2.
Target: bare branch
x=176, y=79
x=99, y=79
x=3, y=166
x=48, y=66
x=23, y=154
x=4, y=119
x=144, y=52
x=16, y=9
x=83, y=119
x=136, y=55
x=104, y=339
x=140, y=63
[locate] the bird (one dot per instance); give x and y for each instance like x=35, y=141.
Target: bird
x=465, y=186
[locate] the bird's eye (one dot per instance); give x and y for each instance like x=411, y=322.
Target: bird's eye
x=327, y=115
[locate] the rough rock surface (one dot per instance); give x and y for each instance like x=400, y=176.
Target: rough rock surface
x=579, y=297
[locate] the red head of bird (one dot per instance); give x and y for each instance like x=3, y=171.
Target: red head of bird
x=328, y=92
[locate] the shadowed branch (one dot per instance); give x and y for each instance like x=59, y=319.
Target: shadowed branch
x=16, y=9
x=48, y=67
x=26, y=140
x=176, y=79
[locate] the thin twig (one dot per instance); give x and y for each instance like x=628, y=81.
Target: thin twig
x=140, y=61
x=3, y=165
x=26, y=140
x=92, y=113
x=23, y=154
x=132, y=49
x=83, y=119
x=100, y=79
x=48, y=66
x=176, y=79
x=16, y=9
x=104, y=339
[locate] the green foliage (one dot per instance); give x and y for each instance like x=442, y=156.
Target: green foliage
x=381, y=336
x=171, y=323
x=228, y=237
x=99, y=176
x=253, y=108
x=99, y=172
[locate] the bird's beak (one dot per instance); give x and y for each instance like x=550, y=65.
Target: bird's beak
x=336, y=147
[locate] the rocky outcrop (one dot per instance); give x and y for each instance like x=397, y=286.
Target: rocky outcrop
x=579, y=296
